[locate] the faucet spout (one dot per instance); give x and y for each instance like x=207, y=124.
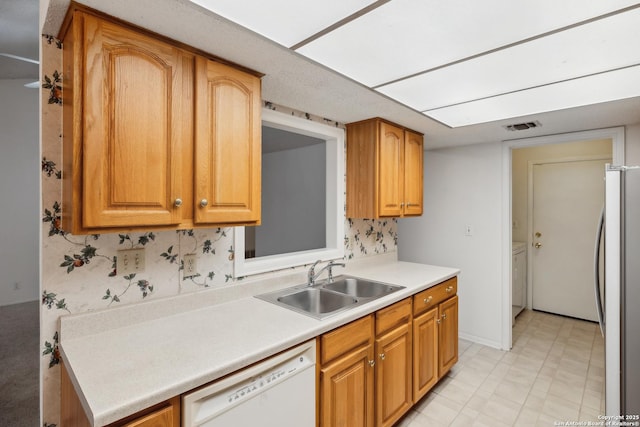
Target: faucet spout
x=312, y=275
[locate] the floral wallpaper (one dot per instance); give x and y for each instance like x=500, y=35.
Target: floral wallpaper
x=79, y=272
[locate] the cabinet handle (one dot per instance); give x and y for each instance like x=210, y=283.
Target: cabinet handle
x=428, y=299
x=444, y=316
x=177, y=203
x=204, y=203
x=402, y=205
x=438, y=321
x=381, y=356
x=372, y=363
x=449, y=289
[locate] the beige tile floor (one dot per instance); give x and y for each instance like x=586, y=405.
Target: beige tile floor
x=555, y=372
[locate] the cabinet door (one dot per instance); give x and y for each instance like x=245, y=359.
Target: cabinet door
x=393, y=375
x=165, y=417
x=390, y=166
x=346, y=390
x=228, y=141
x=413, y=170
x=136, y=123
x=425, y=353
x=448, y=335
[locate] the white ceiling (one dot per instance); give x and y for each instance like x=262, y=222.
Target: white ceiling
x=570, y=65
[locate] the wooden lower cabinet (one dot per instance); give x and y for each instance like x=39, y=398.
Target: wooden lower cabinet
x=347, y=390
x=425, y=353
x=447, y=335
x=393, y=375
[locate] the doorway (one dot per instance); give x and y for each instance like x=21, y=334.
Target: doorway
x=517, y=226
x=567, y=196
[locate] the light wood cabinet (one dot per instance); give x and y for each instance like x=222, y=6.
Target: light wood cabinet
x=347, y=375
x=154, y=135
x=447, y=335
x=384, y=170
x=227, y=157
x=435, y=335
x=425, y=353
x=393, y=349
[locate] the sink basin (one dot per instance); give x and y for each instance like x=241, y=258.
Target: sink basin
x=360, y=288
x=316, y=302
x=328, y=298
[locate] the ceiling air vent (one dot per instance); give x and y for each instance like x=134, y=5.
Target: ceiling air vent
x=523, y=126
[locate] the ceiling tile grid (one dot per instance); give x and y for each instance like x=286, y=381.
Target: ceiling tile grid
x=448, y=59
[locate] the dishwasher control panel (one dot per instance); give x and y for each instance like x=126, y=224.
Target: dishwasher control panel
x=262, y=394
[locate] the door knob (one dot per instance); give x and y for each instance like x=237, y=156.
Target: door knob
x=538, y=234
x=204, y=203
x=538, y=245
x=177, y=203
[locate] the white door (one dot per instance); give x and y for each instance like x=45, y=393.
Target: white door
x=567, y=199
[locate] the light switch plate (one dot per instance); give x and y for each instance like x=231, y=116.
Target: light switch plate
x=130, y=261
x=190, y=265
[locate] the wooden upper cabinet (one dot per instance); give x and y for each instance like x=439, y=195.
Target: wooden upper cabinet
x=134, y=127
x=390, y=167
x=227, y=150
x=413, y=173
x=151, y=129
x=384, y=170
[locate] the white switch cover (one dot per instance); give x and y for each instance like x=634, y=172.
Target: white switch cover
x=467, y=230
x=130, y=261
x=190, y=265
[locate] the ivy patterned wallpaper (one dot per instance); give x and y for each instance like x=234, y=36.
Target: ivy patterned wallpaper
x=78, y=272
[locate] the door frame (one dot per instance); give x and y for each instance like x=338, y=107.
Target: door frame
x=617, y=136
x=530, y=165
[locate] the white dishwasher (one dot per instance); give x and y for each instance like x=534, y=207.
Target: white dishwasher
x=277, y=392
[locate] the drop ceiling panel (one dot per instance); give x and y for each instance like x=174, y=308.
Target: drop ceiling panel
x=404, y=37
x=591, y=48
x=614, y=85
x=284, y=21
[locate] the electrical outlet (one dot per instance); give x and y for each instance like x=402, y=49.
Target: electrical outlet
x=130, y=261
x=190, y=265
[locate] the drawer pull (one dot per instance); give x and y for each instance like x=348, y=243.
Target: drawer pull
x=439, y=321
x=449, y=289
x=428, y=299
x=372, y=363
x=381, y=356
x=444, y=316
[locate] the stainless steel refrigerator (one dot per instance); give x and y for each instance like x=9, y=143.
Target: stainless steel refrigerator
x=620, y=304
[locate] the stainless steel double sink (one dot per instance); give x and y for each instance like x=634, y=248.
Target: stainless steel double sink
x=328, y=298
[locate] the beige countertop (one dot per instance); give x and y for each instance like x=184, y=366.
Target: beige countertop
x=126, y=359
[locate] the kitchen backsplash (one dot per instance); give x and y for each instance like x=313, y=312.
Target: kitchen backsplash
x=78, y=272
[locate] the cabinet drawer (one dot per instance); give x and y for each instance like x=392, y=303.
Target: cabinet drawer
x=392, y=316
x=348, y=337
x=433, y=296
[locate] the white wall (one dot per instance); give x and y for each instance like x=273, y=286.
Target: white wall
x=19, y=192
x=632, y=146
x=463, y=186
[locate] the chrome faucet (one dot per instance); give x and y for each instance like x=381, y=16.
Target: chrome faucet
x=312, y=275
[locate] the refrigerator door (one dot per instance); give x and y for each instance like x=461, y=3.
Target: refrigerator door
x=630, y=292
x=612, y=245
